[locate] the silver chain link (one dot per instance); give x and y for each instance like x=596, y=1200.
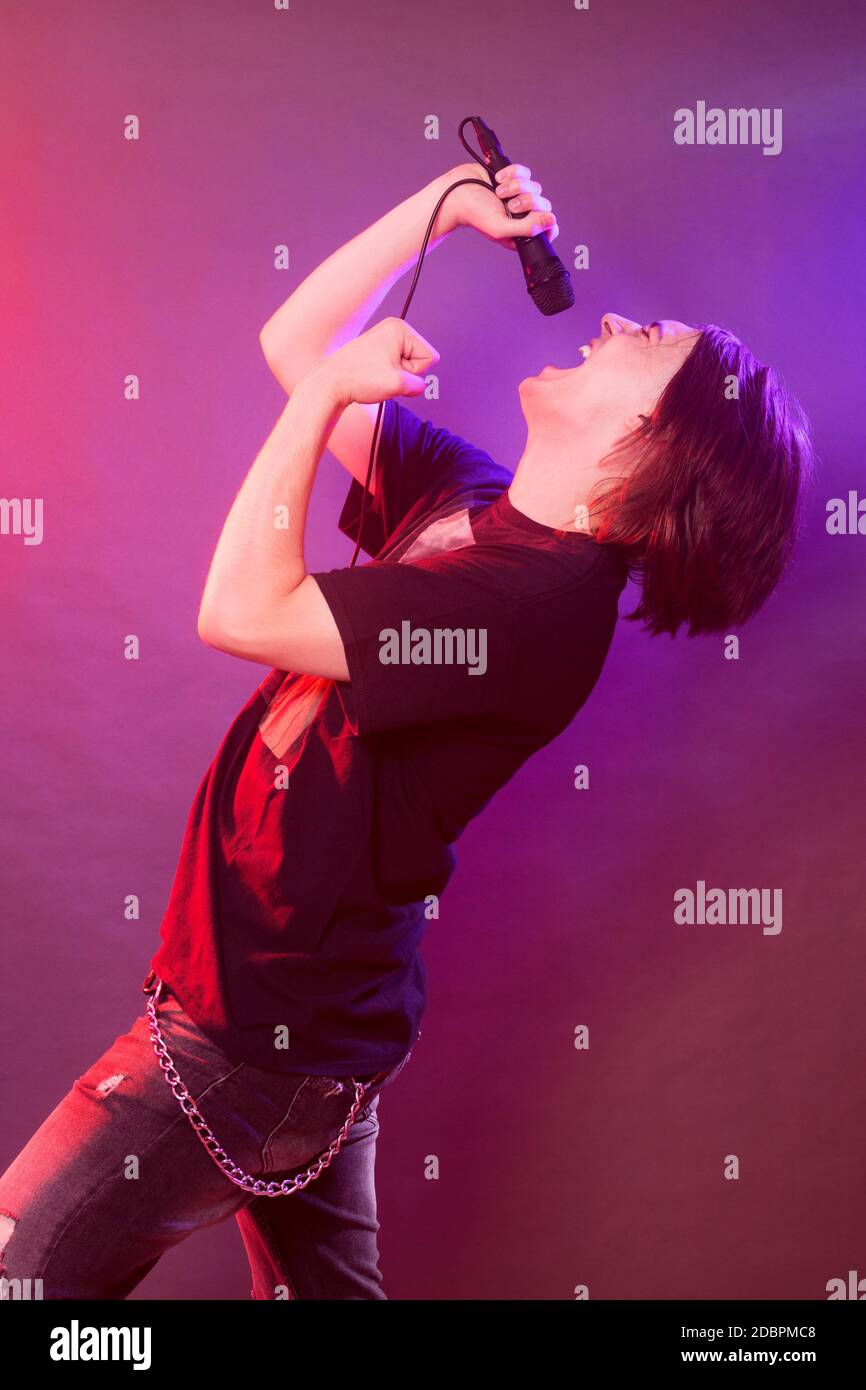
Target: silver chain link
x=258, y=1186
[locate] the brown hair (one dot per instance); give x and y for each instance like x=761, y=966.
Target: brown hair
x=711, y=503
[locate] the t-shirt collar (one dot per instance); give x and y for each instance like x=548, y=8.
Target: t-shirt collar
x=504, y=510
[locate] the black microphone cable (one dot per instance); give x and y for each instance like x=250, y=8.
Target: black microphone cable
x=490, y=183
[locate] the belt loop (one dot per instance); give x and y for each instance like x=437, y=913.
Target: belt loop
x=151, y=981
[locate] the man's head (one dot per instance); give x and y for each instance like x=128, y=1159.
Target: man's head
x=626, y=369
x=692, y=458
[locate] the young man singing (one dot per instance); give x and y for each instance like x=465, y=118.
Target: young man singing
x=288, y=986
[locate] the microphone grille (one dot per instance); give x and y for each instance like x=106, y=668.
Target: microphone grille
x=553, y=295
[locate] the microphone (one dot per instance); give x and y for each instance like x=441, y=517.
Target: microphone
x=547, y=280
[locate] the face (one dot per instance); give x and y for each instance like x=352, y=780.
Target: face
x=619, y=378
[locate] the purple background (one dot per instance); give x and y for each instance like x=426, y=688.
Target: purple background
x=558, y=1167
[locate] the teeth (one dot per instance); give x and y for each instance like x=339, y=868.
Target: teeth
x=585, y=351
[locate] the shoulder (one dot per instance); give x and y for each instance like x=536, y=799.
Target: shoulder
x=575, y=570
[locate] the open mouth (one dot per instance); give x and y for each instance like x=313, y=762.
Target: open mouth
x=585, y=351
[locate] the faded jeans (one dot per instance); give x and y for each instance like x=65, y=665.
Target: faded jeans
x=116, y=1175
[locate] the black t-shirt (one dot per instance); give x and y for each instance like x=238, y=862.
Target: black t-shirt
x=326, y=819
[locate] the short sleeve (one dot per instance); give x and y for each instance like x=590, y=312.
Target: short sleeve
x=423, y=643
x=419, y=466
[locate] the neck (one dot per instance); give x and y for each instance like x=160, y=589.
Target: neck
x=557, y=470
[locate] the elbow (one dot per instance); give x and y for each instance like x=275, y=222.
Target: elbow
x=268, y=347
x=287, y=354
x=206, y=630
x=212, y=632
x=236, y=634
x=287, y=371
x=276, y=343
x=266, y=341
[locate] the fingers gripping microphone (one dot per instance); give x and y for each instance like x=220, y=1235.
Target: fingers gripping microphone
x=547, y=279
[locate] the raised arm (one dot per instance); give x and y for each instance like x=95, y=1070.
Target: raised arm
x=335, y=301
x=259, y=603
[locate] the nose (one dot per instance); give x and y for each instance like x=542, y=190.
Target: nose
x=615, y=323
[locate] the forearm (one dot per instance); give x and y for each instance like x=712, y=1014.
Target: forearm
x=334, y=302
x=259, y=558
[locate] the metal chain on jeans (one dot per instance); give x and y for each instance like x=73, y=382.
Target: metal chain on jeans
x=232, y=1170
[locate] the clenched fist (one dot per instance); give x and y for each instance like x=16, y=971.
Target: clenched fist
x=389, y=359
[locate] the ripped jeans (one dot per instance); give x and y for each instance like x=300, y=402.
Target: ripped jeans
x=116, y=1175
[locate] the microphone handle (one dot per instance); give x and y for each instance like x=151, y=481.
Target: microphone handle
x=538, y=258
